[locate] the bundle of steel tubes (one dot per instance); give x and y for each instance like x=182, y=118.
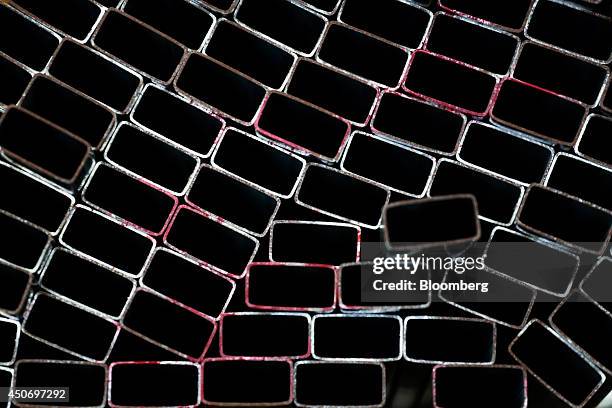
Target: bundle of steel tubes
x=209, y=203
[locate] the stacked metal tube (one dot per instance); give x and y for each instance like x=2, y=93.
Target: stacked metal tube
x=187, y=187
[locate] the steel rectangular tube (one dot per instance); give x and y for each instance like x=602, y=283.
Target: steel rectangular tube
x=130, y=41
x=95, y=75
x=354, y=52
x=62, y=276
x=176, y=120
x=509, y=15
x=10, y=331
x=25, y=245
x=606, y=100
x=539, y=112
x=507, y=301
x=303, y=127
x=143, y=154
x=243, y=204
x=220, y=6
x=326, y=7
x=169, y=325
x=595, y=285
x=542, y=266
x=185, y=282
x=498, y=199
x=250, y=334
x=437, y=129
x=29, y=140
x=28, y=193
x=329, y=243
x=71, y=109
x=397, y=21
x=129, y=198
x=588, y=230
x=52, y=321
x=573, y=76
x=15, y=287
x=593, y=144
x=586, y=325
x=454, y=84
x=247, y=382
x=14, y=79
x=110, y=242
x=159, y=383
x=185, y=21
x=426, y=340
x=556, y=364
x=29, y=43
x=494, y=149
x=229, y=250
x=339, y=384
x=334, y=337
x=472, y=42
x=350, y=288
x=220, y=87
x=267, y=166
x=503, y=386
x=568, y=173
x=342, y=196
x=6, y=379
x=86, y=381
x=570, y=27
x=250, y=53
x=434, y=222
x=84, y=15
x=393, y=162
x=278, y=20
x=346, y=96
x=272, y=286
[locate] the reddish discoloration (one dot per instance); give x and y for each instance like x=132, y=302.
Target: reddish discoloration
x=130, y=224
x=287, y=360
x=295, y=147
x=446, y=105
